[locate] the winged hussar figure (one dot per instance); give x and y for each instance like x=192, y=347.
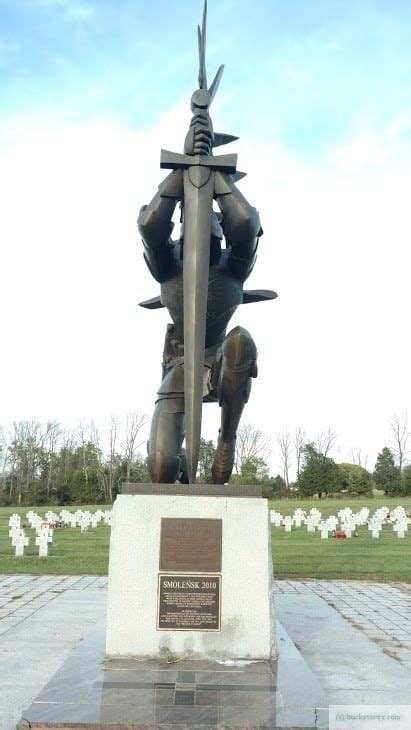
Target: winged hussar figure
x=201, y=286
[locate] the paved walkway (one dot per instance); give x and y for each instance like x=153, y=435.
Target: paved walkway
x=355, y=636
x=21, y=596
x=43, y=619
x=382, y=611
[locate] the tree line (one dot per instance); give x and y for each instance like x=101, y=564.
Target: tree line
x=50, y=464
x=321, y=475
x=317, y=473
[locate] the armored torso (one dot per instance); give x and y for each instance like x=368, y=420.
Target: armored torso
x=225, y=293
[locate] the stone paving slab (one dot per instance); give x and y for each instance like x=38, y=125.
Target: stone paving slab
x=382, y=611
x=351, y=668
x=23, y=595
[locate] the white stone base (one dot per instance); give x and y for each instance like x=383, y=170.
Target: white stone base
x=247, y=621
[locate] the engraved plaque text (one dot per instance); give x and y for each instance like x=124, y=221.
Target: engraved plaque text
x=189, y=602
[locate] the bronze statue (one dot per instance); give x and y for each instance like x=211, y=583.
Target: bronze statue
x=201, y=286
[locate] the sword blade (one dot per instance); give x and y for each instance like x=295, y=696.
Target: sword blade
x=198, y=205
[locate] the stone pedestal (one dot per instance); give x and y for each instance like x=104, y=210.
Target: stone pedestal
x=190, y=574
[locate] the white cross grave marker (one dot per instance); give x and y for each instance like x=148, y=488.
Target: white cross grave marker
x=21, y=542
x=324, y=530
x=43, y=544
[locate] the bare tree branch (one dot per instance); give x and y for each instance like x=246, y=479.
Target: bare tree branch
x=112, y=438
x=284, y=443
x=134, y=423
x=358, y=458
x=325, y=441
x=50, y=444
x=103, y=472
x=85, y=433
x=25, y=447
x=299, y=443
x=399, y=429
x=250, y=442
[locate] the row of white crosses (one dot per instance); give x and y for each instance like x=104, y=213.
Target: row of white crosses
x=85, y=519
x=348, y=520
x=44, y=526
x=382, y=516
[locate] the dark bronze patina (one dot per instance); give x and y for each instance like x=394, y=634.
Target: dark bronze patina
x=189, y=602
x=192, y=544
x=201, y=286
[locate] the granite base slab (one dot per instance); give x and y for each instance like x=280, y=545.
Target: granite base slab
x=90, y=691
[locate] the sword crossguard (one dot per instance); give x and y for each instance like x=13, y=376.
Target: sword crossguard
x=176, y=161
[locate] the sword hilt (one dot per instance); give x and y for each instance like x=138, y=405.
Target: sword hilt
x=200, y=136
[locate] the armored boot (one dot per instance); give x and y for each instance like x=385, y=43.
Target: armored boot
x=164, y=445
x=223, y=460
x=235, y=365
x=163, y=468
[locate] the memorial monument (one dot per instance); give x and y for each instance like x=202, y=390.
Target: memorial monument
x=190, y=572
x=190, y=565
x=201, y=286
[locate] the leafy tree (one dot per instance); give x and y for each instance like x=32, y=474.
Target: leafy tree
x=278, y=484
x=356, y=479
x=205, y=461
x=134, y=470
x=139, y=472
x=82, y=492
x=387, y=476
x=406, y=480
x=275, y=488
x=319, y=473
x=254, y=470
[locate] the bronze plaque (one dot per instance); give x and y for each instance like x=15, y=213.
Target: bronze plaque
x=189, y=602
x=191, y=544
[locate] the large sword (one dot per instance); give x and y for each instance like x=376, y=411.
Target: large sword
x=199, y=188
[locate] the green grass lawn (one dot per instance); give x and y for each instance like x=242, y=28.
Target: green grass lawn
x=301, y=554
x=295, y=555
x=71, y=551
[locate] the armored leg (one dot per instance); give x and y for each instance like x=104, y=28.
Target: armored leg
x=166, y=438
x=236, y=364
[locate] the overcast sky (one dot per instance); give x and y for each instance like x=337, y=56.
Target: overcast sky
x=319, y=94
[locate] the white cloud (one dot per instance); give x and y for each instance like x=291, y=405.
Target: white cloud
x=365, y=151
x=333, y=348
x=375, y=151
